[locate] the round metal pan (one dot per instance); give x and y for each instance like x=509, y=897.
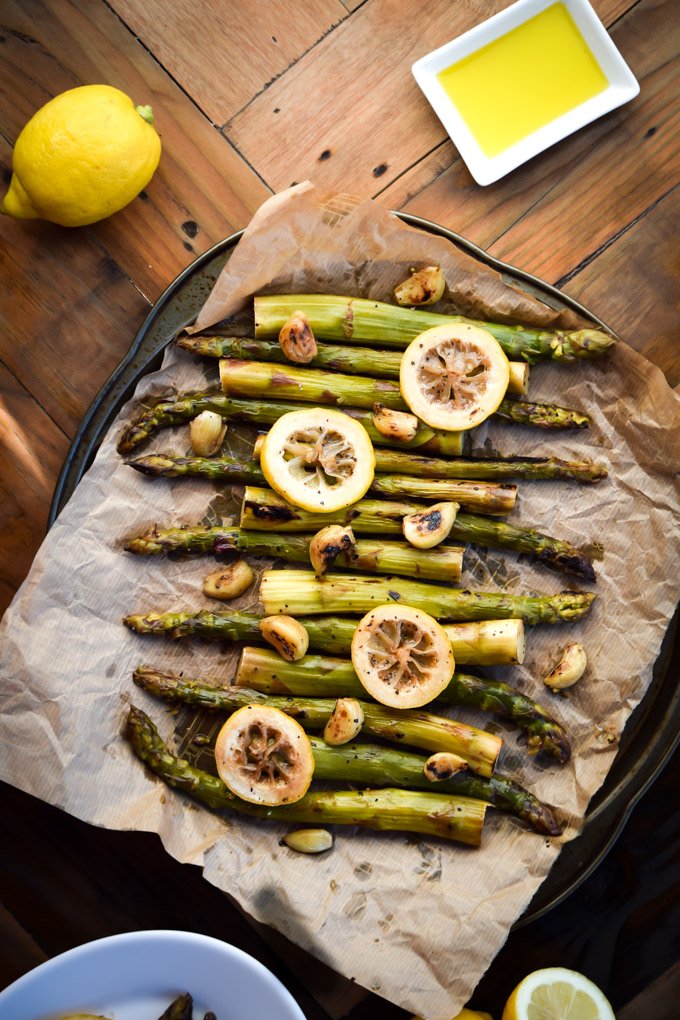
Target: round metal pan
x=653, y=730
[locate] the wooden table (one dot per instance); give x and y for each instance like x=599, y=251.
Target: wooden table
x=251, y=96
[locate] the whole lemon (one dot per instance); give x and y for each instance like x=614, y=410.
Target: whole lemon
x=81, y=157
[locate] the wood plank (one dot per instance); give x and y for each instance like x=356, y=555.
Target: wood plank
x=202, y=190
x=70, y=314
x=32, y=450
x=659, y=1001
x=634, y=158
x=368, y=121
x=19, y=951
x=224, y=54
x=634, y=285
x=560, y=187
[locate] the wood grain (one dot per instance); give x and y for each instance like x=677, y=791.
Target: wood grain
x=633, y=161
x=202, y=191
x=365, y=120
x=224, y=54
x=610, y=171
x=32, y=449
x=634, y=285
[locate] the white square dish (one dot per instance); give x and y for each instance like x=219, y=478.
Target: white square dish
x=619, y=85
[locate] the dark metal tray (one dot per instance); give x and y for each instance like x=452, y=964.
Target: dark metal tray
x=653, y=730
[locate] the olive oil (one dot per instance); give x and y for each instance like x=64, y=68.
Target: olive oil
x=523, y=80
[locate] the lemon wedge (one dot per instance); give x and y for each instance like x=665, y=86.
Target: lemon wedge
x=556, y=993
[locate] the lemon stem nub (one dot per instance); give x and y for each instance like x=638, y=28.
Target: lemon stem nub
x=146, y=113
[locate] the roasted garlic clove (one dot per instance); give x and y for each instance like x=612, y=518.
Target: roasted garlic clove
x=297, y=340
x=443, y=765
x=308, y=841
x=429, y=527
x=286, y=635
x=569, y=669
x=257, y=447
x=229, y=582
x=398, y=425
x=423, y=287
x=207, y=430
x=345, y=722
x=518, y=383
x=327, y=545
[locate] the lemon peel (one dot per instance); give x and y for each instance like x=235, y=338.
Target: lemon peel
x=83, y=156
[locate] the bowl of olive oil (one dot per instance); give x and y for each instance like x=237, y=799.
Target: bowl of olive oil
x=523, y=80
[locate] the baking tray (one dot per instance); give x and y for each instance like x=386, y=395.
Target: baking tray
x=653, y=730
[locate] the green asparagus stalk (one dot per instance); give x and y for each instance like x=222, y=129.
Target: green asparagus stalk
x=300, y=593
x=485, y=497
x=534, y=468
x=261, y=669
x=353, y=320
x=258, y=380
x=375, y=765
x=335, y=357
x=476, y=643
x=493, y=498
x=264, y=509
x=485, y=469
x=182, y=409
x=443, y=563
x=419, y=729
x=432, y=814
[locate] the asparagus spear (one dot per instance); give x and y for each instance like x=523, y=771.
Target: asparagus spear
x=321, y=675
x=419, y=729
x=264, y=509
x=374, y=765
x=500, y=468
x=257, y=379
x=478, y=642
x=354, y=320
x=432, y=814
x=300, y=593
x=443, y=563
x=179, y=410
x=336, y=357
x=485, y=497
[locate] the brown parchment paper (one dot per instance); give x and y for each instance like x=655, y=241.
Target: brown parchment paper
x=416, y=920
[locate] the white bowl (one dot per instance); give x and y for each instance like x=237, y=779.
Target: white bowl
x=486, y=169
x=135, y=977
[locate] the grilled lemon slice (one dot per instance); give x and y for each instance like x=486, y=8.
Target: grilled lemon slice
x=402, y=656
x=318, y=459
x=264, y=756
x=453, y=377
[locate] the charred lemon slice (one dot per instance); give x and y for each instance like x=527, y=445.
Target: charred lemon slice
x=453, y=377
x=402, y=656
x=264, y=756
x=318, y=459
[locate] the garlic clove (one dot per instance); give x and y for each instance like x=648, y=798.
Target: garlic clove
x=428, y=528
x=286, y=635
x=345, y=723
x=229, y=582
x=207, y=431
x=308, y=841
x=423, y=287
x=328, y=544
x=398, y=425
x=569, y=669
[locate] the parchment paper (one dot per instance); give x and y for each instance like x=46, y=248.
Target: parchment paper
x=415, y=920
